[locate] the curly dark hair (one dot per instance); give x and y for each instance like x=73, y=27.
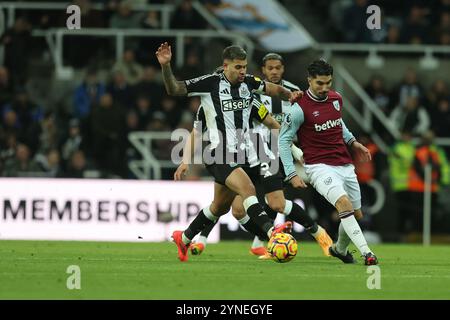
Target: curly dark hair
x=320, y=68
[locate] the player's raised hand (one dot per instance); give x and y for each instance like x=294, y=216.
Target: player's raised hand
x=298, y=183
x=361, y=152
x=181, y=172
x=295, y=95
x=164, y=53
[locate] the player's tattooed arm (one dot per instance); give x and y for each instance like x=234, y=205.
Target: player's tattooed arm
x=173, y=86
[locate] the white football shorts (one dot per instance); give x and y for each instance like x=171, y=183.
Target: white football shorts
x=333, y=182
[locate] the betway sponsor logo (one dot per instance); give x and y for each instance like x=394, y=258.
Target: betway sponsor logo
x=233, y=105
x=329, y=124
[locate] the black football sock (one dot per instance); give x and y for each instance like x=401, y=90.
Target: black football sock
x=272, y=214
x=257, y=213
x=297, y=214
x=203, y=220
x=207, y=230
x=251, y=226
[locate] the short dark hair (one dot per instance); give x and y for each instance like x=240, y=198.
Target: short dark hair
x=320, y=68
x=234, y=52
x=272, y=56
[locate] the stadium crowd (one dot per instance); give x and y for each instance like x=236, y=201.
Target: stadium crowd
x=404, y=22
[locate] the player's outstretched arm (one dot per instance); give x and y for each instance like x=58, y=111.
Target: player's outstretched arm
x=275, y=90
x=173, y=87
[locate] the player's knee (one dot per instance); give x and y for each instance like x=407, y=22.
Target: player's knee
x=238, y=212
x=358, y=214
x=277, y=204
x=344, y=204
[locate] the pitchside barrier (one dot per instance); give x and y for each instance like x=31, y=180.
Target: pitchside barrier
x=99, y=210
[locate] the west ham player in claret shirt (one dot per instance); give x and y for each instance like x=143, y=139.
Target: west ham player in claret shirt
x=316, y=120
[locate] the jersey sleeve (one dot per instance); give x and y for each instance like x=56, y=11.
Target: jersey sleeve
x=255, y=84
x=259, y=111
x=291, y=123
x=349, y=138
x=202, y=84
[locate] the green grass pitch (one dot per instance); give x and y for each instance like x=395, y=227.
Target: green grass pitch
x=38, y=270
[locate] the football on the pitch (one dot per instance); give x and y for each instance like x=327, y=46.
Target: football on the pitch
x=282, y=247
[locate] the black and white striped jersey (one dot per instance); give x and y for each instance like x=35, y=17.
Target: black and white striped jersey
x=277, y=108
x=228, y=110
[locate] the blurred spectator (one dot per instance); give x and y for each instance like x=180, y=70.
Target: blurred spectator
x=108, y=130
x=131, y=70
x=87, y=94
x=148, y=44
x=120, y=90
x=354, y=22
x=186, y=17
x=22, y=163
x=8, y=145
x=73, y=142
x=409, y=87
x=77, y=166
x=46, y=135
x=426, y=153
x=377, y=91
x=50, y=163
x=148, y=85
x=439, y=90
x=144, y=111
x=400, y=160
x=416, y=28
x=440, y=118
x=191, y=67
x=90, y=18
x=411, y=117
x=9, y=125
x=125, y=18
x=171, y=111
x=443, y=27
x=16, y=43
x=26, y=116
x=132, y=121
x=393, y=34
x=186, y=121
x=158, y=122
x=151, y=20
x=6, y=87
